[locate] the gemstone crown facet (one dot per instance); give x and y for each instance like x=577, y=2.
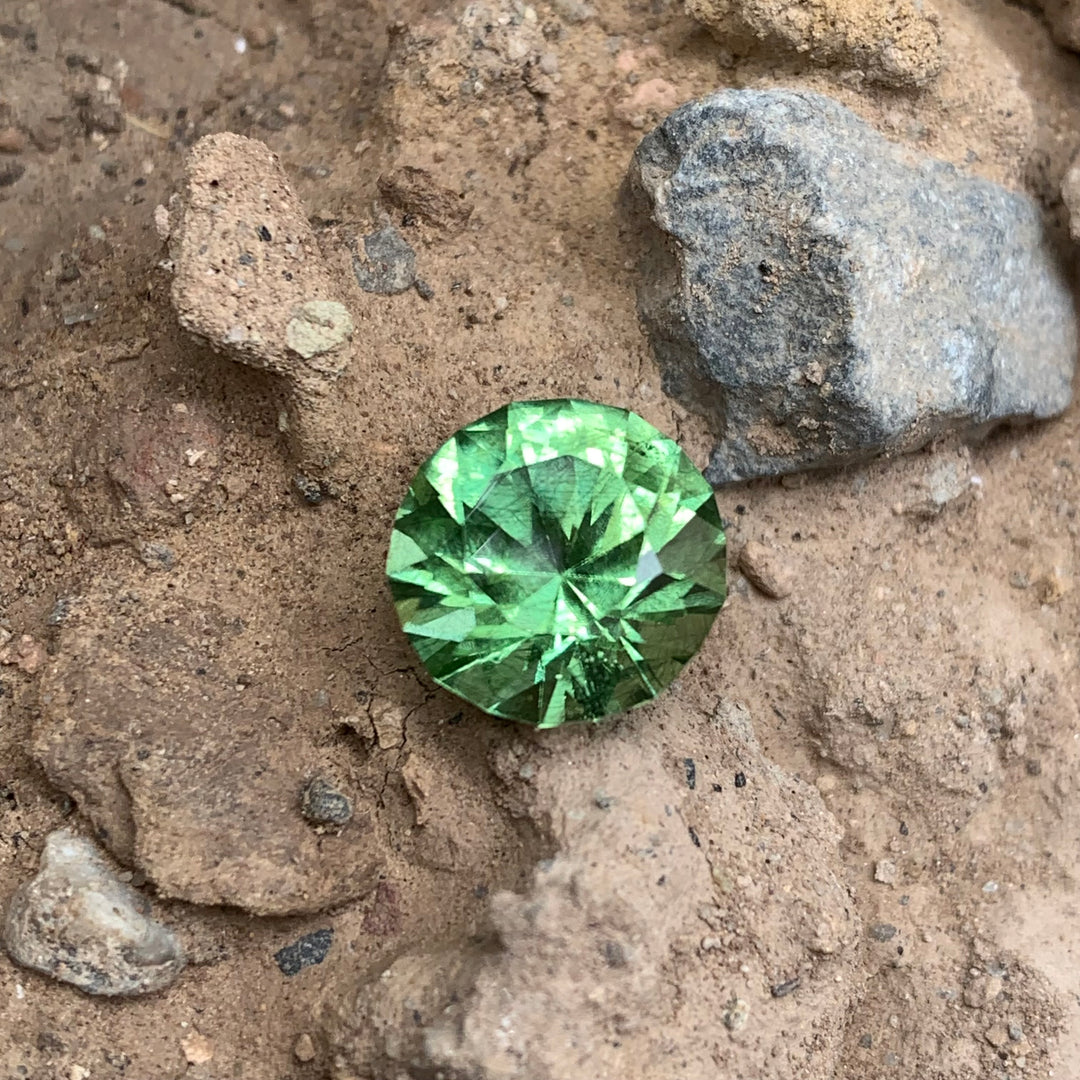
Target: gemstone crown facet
x=557, y=561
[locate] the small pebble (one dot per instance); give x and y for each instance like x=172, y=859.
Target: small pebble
x=982, y=991
x=388, y=264
x=322, y=804
x=789, y=986
x=305, y=952
x=763, y=568
x=317, y=327
x=736, y=1014
x=883, y=931
x=157, y=556
x=304, y=1049
x=12, y=141
x=885, y=872
x=77, y=922
x=198, y=1049
x=309, y=489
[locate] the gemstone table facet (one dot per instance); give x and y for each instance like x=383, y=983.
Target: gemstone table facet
x=557, y=561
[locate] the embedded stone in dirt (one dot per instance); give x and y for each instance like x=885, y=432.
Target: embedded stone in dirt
x=825, y=295
x=188, y=767
x=387, y=263
x=139, y=467
x=250, y=279
x=415, y=192
x=307, y=951
x=895, y=42
x=579, y=967
x=766, y=571
x=79, y=923
x=245, y=259
x=322, y=804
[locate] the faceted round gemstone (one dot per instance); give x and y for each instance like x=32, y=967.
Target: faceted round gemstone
x=557, y=561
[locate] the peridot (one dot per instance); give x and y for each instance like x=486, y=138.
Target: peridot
x=557, y=561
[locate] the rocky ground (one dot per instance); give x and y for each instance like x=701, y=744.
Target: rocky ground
x=843, y=845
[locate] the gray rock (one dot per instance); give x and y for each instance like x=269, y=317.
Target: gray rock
x=883, y=931
x=157, y=556
x=388, y=264
x=824, y=295
x=79, y=923
x=322, y=804
x=307, y=951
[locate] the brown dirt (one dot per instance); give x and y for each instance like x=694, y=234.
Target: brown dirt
x=905, y=840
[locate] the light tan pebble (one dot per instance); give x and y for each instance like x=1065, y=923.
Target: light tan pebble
x=736, y=1014
x=982, y=991
x=12, y=141
x=885, y=872
x=26, y=654
x=304, y=1049
x=765, y=570
x=198, y=1049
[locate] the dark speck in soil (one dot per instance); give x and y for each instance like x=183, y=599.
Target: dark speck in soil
x=305, y=952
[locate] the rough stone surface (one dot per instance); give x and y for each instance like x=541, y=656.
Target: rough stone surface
x=305, y=952
x=1070, y=194
x=637, y=871
x=416, y=193
x=197, y=789
x=254, y=241
x=765, y=570
x=387, y=263
x=323, y=804
x=1063, y=18
x=894, y=42
x=249, y=277
x=317, y=327
x=825, y=295
x=79, y=923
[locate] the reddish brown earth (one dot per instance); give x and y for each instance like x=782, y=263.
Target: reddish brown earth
x=890, y=888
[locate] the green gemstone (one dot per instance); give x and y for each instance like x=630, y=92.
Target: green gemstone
x=557, y=561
